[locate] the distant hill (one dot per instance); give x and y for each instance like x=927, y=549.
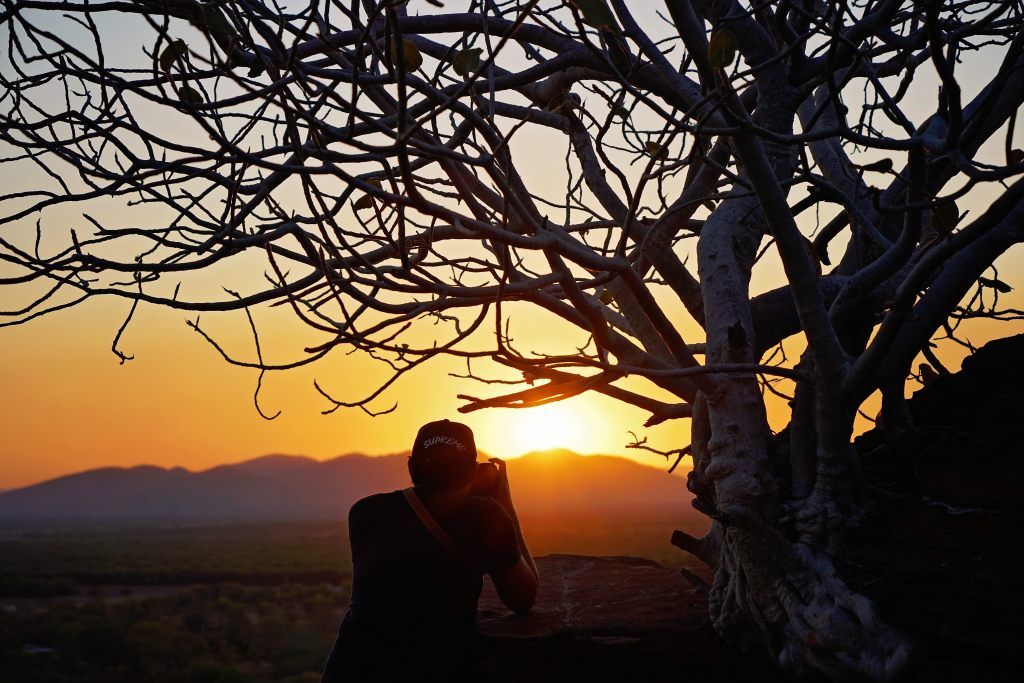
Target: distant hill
x=282, y=487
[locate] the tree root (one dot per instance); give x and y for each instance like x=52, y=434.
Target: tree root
x=790, y=599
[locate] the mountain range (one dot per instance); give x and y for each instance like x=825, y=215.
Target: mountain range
x=284, y=487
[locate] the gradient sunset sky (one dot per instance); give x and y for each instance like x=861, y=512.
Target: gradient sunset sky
x=68, y=405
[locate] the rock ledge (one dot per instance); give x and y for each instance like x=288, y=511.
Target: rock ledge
x=609, y=619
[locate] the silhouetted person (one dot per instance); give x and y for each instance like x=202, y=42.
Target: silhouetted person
x=418, y=559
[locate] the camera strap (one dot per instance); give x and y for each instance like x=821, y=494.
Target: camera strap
x=446, y=541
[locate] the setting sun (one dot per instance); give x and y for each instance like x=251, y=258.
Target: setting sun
x=568, y=424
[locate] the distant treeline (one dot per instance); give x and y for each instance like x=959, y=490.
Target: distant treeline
x=15, y=586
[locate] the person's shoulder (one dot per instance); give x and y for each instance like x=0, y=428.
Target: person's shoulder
x=374, y=503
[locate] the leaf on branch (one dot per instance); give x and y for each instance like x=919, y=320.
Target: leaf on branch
x=187, y=93
x=812, y=253
x=659, y=152
x=175, y=50
x=563, y=101
x=880, y=166
x=366, y=201
x=214, y=20
x=596, y=13
x=467, y=61
x=928, y=374
x=606, y=297
x=933, y=137
x=409, y=52
x=211, y=20
x=620, y=112
x=996, y=284
x=945, y=216
x=722, y=48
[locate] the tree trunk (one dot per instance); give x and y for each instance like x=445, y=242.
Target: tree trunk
x=775, y=586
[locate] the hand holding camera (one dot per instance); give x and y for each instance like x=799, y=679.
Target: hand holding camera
x=491, y=479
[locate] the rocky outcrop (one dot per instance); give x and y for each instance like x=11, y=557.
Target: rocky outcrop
x=609, y=619
x=941, y=546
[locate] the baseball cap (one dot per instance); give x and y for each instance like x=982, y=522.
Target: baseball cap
x=444, y=440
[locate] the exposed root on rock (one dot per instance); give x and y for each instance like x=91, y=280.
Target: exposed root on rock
x=801, y=610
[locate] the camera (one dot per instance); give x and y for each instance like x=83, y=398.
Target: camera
x=485, y=480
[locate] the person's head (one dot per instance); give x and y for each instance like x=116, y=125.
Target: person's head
x=443, y=456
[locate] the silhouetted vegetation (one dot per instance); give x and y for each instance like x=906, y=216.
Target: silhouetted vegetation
x=207, y=632
x=255, y=554
x=259, y=602
x=218, y=604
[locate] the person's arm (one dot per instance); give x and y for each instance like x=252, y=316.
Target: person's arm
x=517, y=586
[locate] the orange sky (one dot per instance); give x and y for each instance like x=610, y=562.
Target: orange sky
x=67, y=405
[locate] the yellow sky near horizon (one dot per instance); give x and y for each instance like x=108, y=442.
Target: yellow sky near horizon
x=68, y=405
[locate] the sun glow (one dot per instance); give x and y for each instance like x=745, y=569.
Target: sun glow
x=555, y=425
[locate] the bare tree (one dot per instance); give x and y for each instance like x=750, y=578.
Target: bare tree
x=372, y=153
